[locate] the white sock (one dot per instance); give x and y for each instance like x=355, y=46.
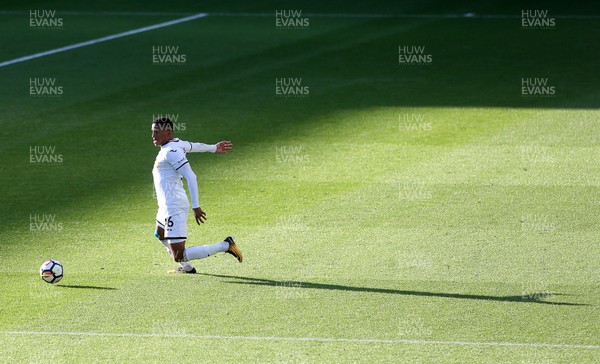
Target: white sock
x=200, y=252
x=167, y=246
x=186, y=266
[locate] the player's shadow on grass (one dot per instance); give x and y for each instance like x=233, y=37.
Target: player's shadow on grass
x=529, y=298
x=86, y=287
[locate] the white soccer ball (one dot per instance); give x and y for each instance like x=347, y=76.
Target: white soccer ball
x=51, y=271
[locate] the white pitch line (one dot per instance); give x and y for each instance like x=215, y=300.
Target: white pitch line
x=103, y=39
x=317, y=339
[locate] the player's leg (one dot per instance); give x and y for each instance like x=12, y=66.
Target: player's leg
x=178, y=253
x=176, y=235
x=182, y=255
x=159, y=232
x=205, y=251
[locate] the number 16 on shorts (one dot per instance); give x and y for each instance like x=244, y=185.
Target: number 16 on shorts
x=176, y=226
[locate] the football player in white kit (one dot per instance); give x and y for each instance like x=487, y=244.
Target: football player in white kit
x=173, y=206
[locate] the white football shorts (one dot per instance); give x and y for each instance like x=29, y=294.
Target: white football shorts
x=175, y=226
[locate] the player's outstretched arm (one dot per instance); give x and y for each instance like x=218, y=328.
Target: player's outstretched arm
x=192, y=147
x=220, y=147
x=224, y=146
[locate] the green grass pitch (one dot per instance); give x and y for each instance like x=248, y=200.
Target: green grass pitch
x=388, y=212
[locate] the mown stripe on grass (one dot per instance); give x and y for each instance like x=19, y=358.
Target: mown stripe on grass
x=317, y=339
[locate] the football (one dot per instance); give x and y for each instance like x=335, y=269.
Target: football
x=51, y=271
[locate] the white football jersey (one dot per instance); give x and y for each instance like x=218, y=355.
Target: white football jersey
x=168, y=181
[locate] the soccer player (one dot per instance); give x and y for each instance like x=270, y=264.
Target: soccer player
x=173, y=206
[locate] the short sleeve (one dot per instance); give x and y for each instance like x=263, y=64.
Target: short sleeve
x=176, y=157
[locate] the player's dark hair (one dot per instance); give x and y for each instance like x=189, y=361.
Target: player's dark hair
x=163, y=123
